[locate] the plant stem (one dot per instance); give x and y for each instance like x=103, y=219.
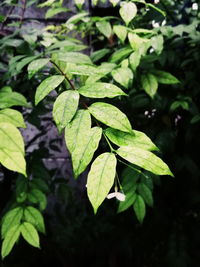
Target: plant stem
x=135, y=169
x=71, y=84
x=111, y=148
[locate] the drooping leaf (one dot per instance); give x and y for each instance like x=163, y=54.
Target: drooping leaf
x=36, y=65
x=10, y=239
x=134, y=60
x=149, y=84
x=101, y=178
x=12, y=116
x=13, y=161
x=136, y=139
x=120, y=31
x=144, y=159
x=10, y=219
x=30, y=234
x=34, y=216
x=77, y=129
x=165, y=77
x=111, y=116
x=100, y=90
x=146, y=194
x=65, y=108
x=128, y=11
x=84, y=151
x=11, y=138
x=38, y=197
x=9, y=99
x=104, y=27
x=123, y=76
x=46, y=86
x=139, y=208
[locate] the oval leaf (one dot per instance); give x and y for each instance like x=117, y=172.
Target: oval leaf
x=101, y=178
x=12, y=116
x=30, y=234
x=111, y=116
x=104, y=27
x=47, y=86
x=144, y=159
x=146, y=194
x=9, y=99
x=136, y=139
x=65, y=107
x=165, y=77
x=123, y=76
x=100, y=90
x=36, y=65
x=34, y=216
x=120, y=31
x=149, y=84
x=128, y=11
x=139, y=208
x=77, y=129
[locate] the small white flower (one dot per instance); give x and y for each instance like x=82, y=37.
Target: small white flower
x=156, y=1
x=194, y=6
x=117, y=195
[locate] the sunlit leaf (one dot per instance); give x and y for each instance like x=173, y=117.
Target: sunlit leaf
x=111, y=116
x=101, y=178
x=120, y=31
x=104, y=27
x=12, y=116
x=9, y=99
x=128, y=11
x=34, y=216
x=123, y=76
x=134, y=59
x=149, y=84
x=30, y=234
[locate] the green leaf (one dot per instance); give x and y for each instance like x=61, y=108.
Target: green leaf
x=13, y=161
x=78, y=69
x=101, y=178
x=54, y=11
x=37, y=196
x=46, y=86
x=146, y=194
x=9, y=99
x=12, y=116
x=74, y=57
x=100, y=90
x=139, y=208
x=138, y=43
x=103, y=70
x=114, y=2
x=6, y=89
x=111, y=116
x=157, y=43
x=74, y=19
x=21, y=189
x=165, y=77
x=36, y=65
x=99, y=54
x=65, y=108
x=149, y=84
x=128, y=11
x=24, y=62
x=77, y=128
x=10, y=239
x=30, y=234
x=144, y=159
x=129, y=186
x=10, y=219
x=84, y=151
x=11, y=138
x=134, y=60
x=34, y=216
x=136, y=139
x=79, y=3
x=104, y=27
x=123, y=76
x=120, y=31
x=120, y=54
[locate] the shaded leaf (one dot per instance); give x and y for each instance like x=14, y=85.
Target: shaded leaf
x=139, y=208
x=30, y=234
x=146, y=194
x=36, y=65
x=149, y=84
x=34, y=216
x=104, y=27
x=165, y=77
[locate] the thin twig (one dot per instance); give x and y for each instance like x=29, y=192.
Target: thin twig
x=71, y=84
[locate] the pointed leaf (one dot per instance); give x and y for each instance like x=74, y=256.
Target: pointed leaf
x=37, y=196
x=123, y=76
x=149, y=84
x=120, y=31
x=46, y=86
x=128, y=11
x=120, y=54
x=104, y=27
x=30, y=234
x=36, y=65
x=78, y=69
x=101, y=178
x=99, y=54
x=100, y=90
x=12, y=116
x=139, y=208
x=9, y=99
x=74, y=57
x=146, y=194
x=65, y=107
x=10, y=219
x=77, y=129
x=111, y=116
x=85, y=149
x=34, y=216
x=136, y=139
x=134, y=59
x=144, y=159
x=165, y=77
x=10, y=239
